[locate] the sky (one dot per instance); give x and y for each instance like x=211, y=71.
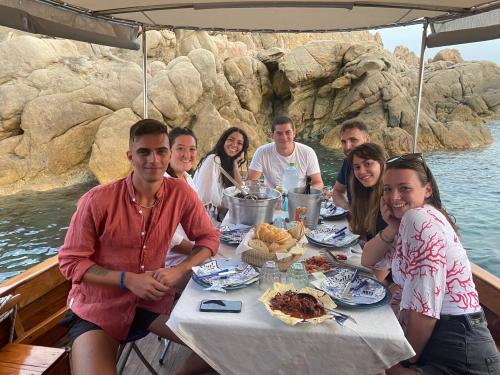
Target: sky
x=411, y=36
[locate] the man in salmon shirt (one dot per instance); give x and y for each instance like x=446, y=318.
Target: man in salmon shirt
x=114, y=254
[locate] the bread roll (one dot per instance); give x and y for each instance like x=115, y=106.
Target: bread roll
x=257, y=244
x=277, y=248
x=297, y=231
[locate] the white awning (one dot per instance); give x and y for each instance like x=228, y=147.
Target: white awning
x=40, y=17
x=476, y=28
x=115, y=22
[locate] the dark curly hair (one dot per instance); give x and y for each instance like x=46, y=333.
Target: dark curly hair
x=226, y=160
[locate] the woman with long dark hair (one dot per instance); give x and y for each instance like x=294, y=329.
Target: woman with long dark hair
x=439, y=308
x=229, y=153
x=368, y=164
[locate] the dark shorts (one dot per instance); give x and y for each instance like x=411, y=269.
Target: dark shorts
x=140, y=324
x=460, y=344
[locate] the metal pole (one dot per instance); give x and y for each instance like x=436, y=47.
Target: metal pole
x=145, y=73
x=420, y=84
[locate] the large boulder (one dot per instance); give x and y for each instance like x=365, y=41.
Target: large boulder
x=108, y=160
x=66, y=106
x=448, y=54
x=250, y=80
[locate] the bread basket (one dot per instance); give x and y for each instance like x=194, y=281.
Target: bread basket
x=259, y=257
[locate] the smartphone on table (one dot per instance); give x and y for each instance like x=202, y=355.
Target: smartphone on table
x=220, y=305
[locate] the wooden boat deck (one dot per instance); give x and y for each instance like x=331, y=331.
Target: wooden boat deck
x=152, y=348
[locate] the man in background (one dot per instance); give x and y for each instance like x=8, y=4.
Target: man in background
x=271, y=159
x=352, y=134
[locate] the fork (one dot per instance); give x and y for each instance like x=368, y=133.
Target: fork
x=338, y=314
x=340, y=320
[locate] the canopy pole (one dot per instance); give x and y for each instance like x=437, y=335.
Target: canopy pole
x=420, y=83
x=144, y=73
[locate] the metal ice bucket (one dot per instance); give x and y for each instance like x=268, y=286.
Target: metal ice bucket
x=311, y=202
x=249, y=211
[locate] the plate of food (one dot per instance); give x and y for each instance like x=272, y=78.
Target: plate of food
x=292, y=307
x=364, y=292
x=225, y=274
x=233, y=234
x=332, y=236
x=318, y=263
x=329, y=211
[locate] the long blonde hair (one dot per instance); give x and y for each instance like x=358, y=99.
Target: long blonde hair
x=365, y=203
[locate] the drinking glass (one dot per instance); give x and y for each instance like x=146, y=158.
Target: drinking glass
x=269, y=274
x=297, y=276
x=327, y=192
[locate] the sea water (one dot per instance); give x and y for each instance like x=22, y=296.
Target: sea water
x=33, y=224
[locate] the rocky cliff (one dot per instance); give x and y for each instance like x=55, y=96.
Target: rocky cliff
x=66, y=107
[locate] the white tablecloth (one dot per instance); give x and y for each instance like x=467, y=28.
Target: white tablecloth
x=254, y=342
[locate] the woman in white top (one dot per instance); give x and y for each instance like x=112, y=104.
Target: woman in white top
x=229, y=153
x=439, y=308
x=183, y=144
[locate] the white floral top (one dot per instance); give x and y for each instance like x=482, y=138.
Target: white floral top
x=431, y=266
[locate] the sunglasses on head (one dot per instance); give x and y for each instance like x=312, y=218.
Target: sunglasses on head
x=414, y=156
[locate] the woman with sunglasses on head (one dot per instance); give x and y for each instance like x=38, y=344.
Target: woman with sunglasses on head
x=439, y=308
x=229, y=153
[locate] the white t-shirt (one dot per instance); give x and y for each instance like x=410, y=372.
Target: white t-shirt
x=174, y=258
x=208, y=182
x=268, y=161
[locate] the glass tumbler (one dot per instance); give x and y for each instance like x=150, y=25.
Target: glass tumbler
x=269, y=274
x=297, y=276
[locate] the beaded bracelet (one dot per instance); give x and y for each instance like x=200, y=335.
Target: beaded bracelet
x=122, y=280
x=384, y=239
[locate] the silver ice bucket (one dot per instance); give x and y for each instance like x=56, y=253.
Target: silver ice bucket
x=311, y=203
x=249, y=211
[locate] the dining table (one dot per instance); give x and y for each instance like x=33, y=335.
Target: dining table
x=255, y=342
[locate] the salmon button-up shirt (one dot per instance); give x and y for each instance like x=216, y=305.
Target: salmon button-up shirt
x=108, y=229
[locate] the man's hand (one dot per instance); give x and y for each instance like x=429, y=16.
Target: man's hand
x=339, y=196
x=170, y=276
x=144, y=286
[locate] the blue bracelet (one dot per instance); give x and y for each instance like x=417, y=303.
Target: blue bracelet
x=122, y=279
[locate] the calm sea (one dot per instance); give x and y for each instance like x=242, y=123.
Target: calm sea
x=33, y=224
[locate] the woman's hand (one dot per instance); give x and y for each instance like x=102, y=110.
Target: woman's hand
x=238, y=160
x=388, y=216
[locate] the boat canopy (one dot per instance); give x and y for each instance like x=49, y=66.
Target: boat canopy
x=116, y=23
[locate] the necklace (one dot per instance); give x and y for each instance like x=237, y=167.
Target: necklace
x=146, y=206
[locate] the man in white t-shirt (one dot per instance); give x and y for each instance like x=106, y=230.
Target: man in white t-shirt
x=271, y=159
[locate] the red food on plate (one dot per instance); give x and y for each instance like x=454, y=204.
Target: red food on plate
x=298, y=305
x=317, y=264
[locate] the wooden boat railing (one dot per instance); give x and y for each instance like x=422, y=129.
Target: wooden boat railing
x=44, y=290
x=488, y=287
